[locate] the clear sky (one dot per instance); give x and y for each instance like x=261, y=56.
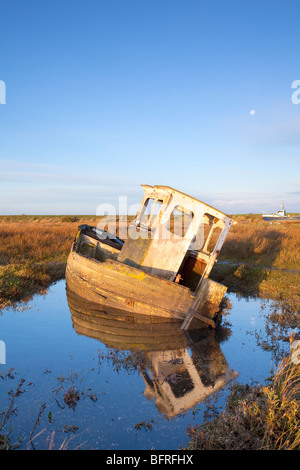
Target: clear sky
x=102, y=96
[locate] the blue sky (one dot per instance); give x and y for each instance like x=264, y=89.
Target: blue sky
x=102, y=96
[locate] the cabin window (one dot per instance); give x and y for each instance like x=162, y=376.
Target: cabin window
x=211, y=231
x=150, y=212
x=180, y=221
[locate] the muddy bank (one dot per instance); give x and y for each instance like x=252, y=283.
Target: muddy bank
x=19, y=283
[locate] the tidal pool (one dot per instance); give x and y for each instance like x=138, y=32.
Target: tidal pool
x=87, y=386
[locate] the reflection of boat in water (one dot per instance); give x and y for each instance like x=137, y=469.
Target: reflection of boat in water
x=162, y=268
x=182, y=378
x=280, y=215
x=179, y=368
x=118, y=329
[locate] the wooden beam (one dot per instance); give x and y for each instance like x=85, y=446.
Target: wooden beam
x=211, y=292
x=192, y=314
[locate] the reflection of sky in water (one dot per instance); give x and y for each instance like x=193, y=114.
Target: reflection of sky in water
x=43, y=348
x=241, y=351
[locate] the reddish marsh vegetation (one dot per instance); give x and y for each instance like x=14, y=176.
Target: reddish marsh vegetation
x=23, y=242
x=33, y=254
x=264, y=245
x=264, y=259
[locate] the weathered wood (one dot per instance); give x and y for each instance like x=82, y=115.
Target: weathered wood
x=192, y=314
x=113, y=284
x=161, y=252
x=211, y=293
x=123, y=287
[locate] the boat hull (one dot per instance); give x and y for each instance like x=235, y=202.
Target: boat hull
x=132, y=291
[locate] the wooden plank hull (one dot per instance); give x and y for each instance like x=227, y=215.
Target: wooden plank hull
x=130, y=290
x=114, y=284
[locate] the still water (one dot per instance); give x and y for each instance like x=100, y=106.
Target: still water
x=88, y=387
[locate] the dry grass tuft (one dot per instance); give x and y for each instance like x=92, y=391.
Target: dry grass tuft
x=264, y=244
x=20, y=243
x=266, y=418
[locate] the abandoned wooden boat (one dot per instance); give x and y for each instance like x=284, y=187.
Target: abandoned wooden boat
x=161, y=268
